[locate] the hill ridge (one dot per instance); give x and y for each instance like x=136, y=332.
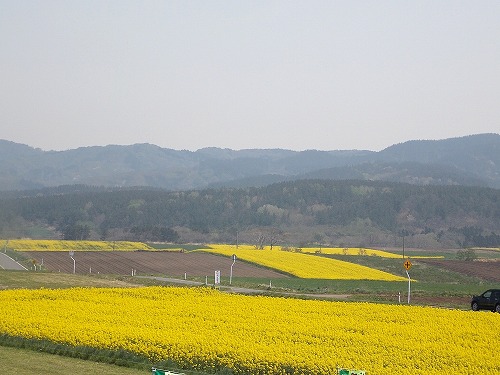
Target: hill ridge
x=470, y=160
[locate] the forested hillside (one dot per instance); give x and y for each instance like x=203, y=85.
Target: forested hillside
x=358, y=213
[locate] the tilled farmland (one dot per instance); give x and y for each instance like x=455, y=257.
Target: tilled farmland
x=484, y=270
x=170, y=264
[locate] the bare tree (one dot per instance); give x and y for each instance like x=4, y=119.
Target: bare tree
x=271, y=236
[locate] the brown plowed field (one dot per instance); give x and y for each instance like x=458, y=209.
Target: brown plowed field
x=170, y=264
x=484, y=270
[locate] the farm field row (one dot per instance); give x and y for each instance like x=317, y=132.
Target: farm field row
x=168, y=263
x=359, y=251
x=304, y=265
x=488, y=270
x=271, y=264
x=257, y=334
x=65, y=245
x=283, y=262
x=253, y=263
x=68, y=245
x=52, y=280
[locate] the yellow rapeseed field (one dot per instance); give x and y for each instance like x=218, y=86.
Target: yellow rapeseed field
x=358, y=251
x=350, y=251
x=65, y=245
x=304, y=265
x=207, y=329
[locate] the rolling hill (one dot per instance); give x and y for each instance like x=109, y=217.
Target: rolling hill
x=472, y=160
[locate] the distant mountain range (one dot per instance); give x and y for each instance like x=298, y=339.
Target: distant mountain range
x=472, y=160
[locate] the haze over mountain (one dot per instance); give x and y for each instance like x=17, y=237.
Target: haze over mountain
x=472, y=160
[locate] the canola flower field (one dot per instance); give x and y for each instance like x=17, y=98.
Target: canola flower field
x=354, y=251
x=350, y=251
x=300, y=264
x=205, y=329
x=303, y=265
x=66, y=245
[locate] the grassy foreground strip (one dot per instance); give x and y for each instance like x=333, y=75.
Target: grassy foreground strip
x=204, y=329
x=16, y=361
x=22, y=361
x=305, y=266
x=34, y=280
x=65, y=245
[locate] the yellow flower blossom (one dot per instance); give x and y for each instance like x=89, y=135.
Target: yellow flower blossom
x=66, y=245
x=304, y=265
x=207, y=329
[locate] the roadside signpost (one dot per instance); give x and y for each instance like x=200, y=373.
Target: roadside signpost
x=71, y=253
x=407, y=265
x=231, y=274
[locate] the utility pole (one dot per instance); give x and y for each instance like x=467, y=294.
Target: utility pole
x=403, y=245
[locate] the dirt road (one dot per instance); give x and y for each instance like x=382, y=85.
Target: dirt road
x=7, y=263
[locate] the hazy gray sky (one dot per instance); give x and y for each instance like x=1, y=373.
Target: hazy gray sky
x=326, y=75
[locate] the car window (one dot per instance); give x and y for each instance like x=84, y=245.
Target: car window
x=487, y=294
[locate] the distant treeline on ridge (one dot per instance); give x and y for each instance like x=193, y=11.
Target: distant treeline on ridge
x=312, y=211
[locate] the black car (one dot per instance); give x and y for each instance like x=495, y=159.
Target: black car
x=489, y=300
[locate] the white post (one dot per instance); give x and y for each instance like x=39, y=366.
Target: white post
x=71, y=253
x=216, y=278
x=409, y=287
x=231, y=273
